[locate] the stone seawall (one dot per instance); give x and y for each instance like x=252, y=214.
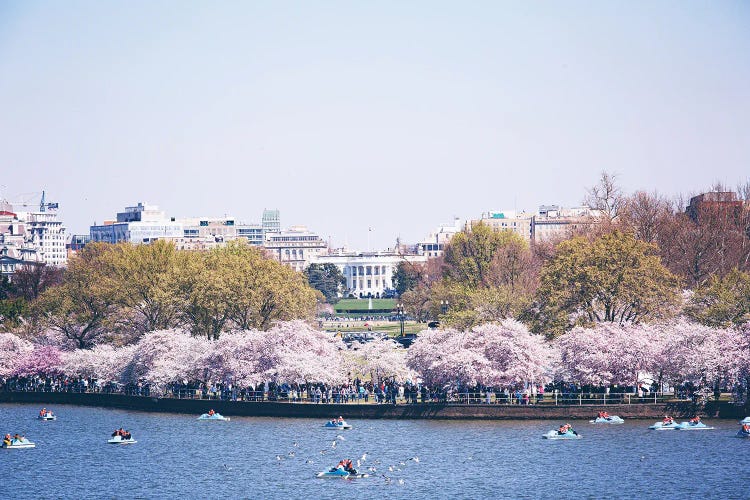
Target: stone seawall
x=353, y=411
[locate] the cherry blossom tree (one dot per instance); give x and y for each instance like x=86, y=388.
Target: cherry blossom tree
x=305, y=354
x=42, y=360
x=380, y=359
x=502, y=353
x=13, y=350
x=611, y=353
x=104, y=362
x=167, y=356
x=242, y=358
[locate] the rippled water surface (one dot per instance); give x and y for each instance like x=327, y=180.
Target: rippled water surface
x=179, y=457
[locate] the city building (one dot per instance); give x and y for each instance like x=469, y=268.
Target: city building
x=509, y=220
x=715, y=204
x=271, y=221
x=34, y=231
x=434, y=244
x=142, y=223
x=555, y=222
x=367, y=274
x=296, y=247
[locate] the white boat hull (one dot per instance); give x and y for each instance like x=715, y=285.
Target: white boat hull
x=19, y=445
x=121, y=441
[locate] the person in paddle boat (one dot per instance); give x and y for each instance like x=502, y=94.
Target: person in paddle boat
x=746, y=428
x=345, y=464
x=695, y=420
x=118, y=432
x=603, y=414
x=340, y=420
x=667, y=420
x=211, y=412
x=126, y=435
x=6, y=440
x=565, y=428
x=43, y=412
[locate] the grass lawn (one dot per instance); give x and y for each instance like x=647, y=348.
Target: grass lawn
x=362, y=305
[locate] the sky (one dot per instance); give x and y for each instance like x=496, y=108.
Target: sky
x=366, y=121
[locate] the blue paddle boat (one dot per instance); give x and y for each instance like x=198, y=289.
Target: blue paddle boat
x=337, y=424
x=17, y=443
x=213, y=416
x=612, y=419
x=694, y=426
x=340, y=473
x=665, y=426
x=569, y=434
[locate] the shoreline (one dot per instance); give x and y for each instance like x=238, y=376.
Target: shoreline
x=426, y=411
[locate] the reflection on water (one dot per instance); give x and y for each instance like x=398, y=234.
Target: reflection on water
x=178, y=456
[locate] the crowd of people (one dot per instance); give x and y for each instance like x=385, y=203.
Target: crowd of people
x=387, y=391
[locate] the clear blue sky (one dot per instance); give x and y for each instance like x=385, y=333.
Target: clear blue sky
x=348, y=115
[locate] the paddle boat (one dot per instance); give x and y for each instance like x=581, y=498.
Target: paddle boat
x=46, y=415
x=612, y=419
x=668, y=424
x=121, y=440
x=17, y=443
x=569, y=434
x=694, y=426
x=745, y=420
x=340, y=473
x=338, y=424
x=213, y=416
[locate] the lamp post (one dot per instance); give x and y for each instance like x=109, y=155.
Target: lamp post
x=400, y=311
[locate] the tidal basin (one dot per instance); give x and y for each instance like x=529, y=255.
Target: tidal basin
x=177, y=456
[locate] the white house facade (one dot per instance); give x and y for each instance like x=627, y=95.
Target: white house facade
x=368, y=274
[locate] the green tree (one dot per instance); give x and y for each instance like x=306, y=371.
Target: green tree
x=407, y=276
x=83, y=307
x=236, y=286
x=144, y=279
x=723, y=301
x=12, y=312
x=328, y=279
x=474, y=258
x=614, y=278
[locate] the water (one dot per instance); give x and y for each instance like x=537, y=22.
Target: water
x=179, y=457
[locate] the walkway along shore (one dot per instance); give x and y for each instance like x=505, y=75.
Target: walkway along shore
x=445, y=411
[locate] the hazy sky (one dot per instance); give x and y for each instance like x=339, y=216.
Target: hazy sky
x=348, y=115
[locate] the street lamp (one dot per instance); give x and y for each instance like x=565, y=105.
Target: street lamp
x=400, y=311
x=444, y=306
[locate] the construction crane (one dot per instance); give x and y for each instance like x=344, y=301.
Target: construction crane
x=26, y=201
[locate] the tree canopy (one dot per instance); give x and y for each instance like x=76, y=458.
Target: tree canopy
x=328, y=279
x=614, y=278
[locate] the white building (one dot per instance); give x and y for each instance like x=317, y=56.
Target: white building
x=434, y=244
x=145, y=223
x=142, y=223
x=368, y=274
x=296, y=247
x=553, y=221
x=38, y=231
